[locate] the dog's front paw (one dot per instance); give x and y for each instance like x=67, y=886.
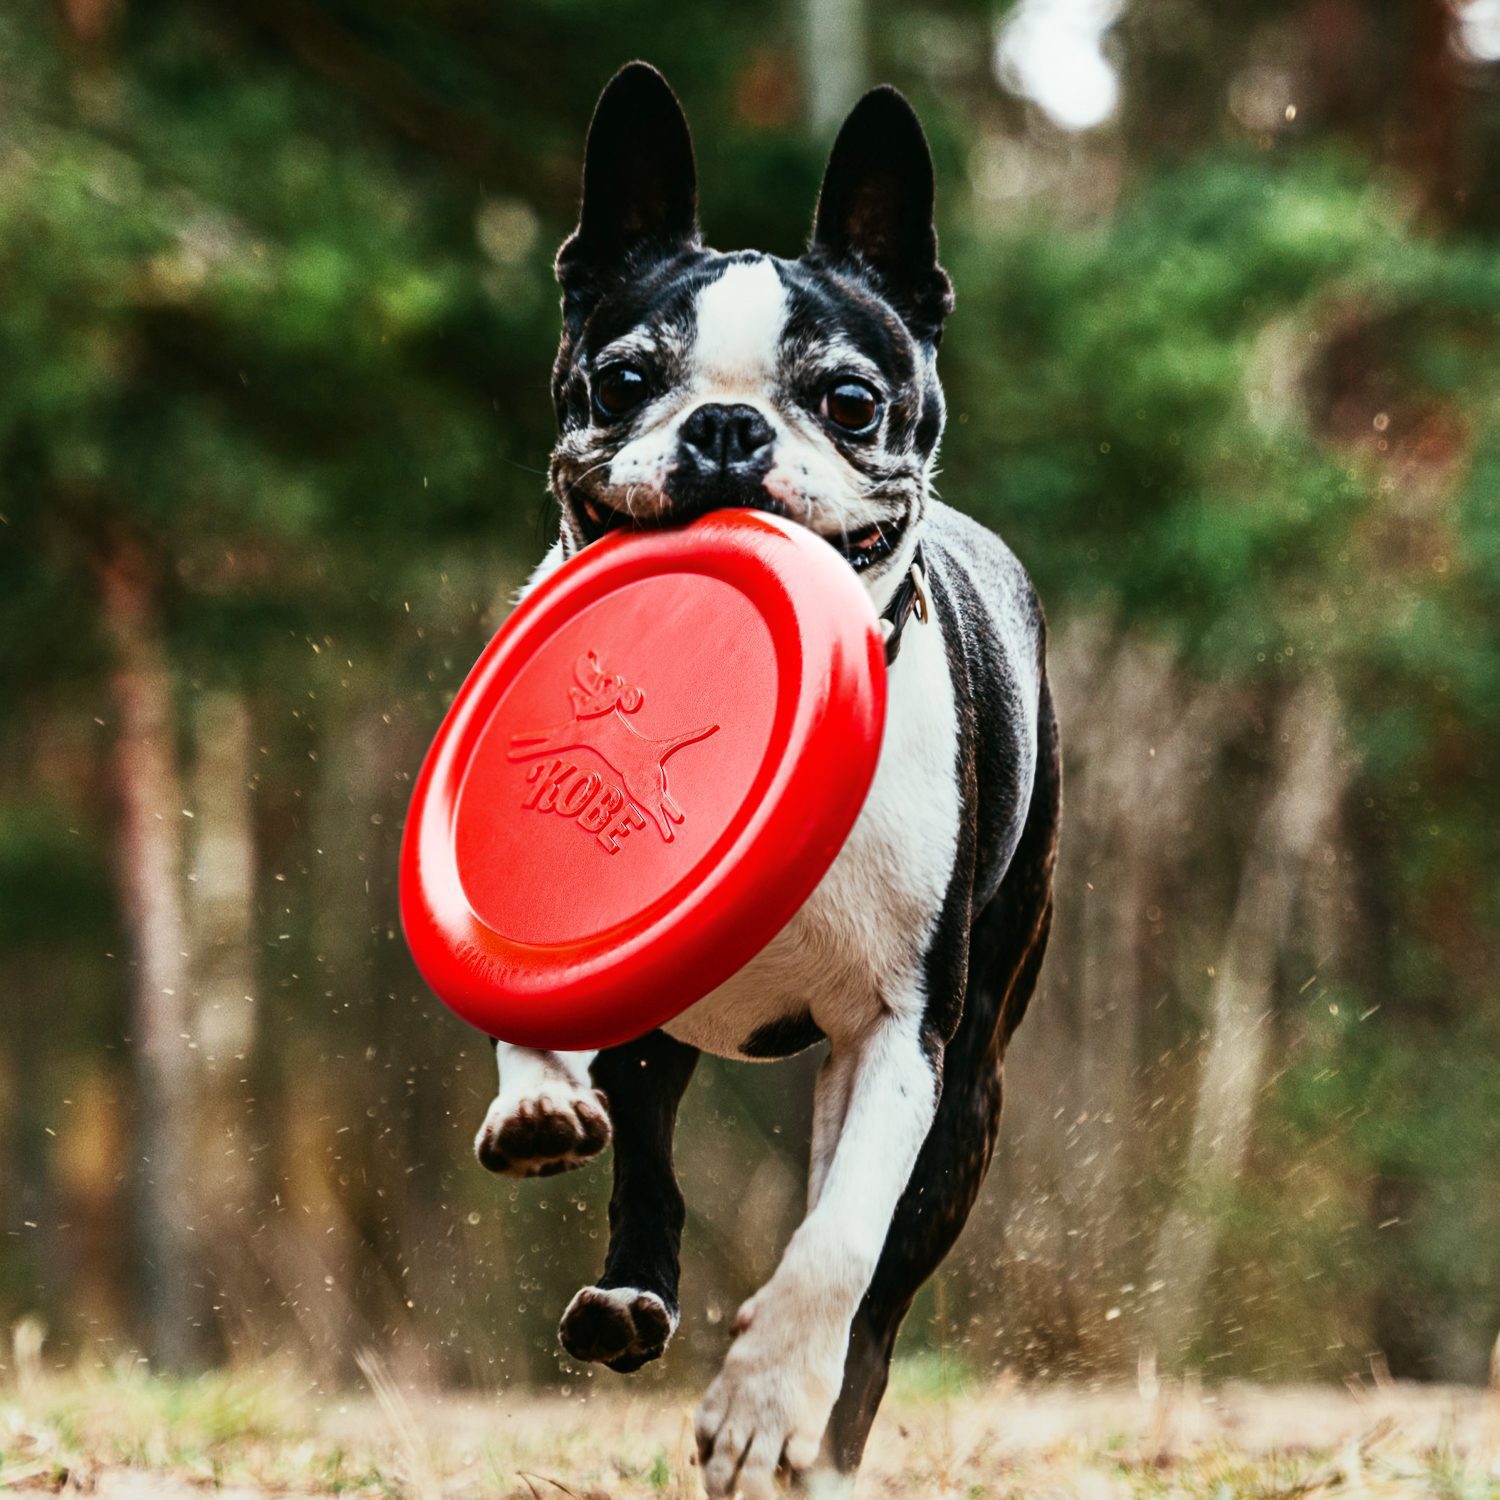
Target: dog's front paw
x=618, y=1327
x=765, y=1414
x=542, y=1133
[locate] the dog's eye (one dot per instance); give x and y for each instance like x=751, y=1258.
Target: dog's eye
x=619, y=388
x=851, y=405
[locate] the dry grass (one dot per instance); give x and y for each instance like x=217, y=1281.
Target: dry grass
x=125, y=1436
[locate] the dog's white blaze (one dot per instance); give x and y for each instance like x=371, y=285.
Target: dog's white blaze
x=739, y=321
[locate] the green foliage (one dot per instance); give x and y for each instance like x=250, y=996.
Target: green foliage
x=1167, y=455
x=1148, y=412
x=278, y=307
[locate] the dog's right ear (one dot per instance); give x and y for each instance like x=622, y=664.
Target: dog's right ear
x=875, y=210
x=640, y=189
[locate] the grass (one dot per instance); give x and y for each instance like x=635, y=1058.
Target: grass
x=124, y=1435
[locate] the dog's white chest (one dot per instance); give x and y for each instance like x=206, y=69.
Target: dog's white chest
x=852, y=947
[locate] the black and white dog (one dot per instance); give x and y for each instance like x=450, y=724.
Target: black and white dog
x=689, y=379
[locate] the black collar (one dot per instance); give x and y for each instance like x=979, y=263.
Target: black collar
x=909, y=599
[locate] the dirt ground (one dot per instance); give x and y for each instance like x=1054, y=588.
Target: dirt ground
x=125, y=1436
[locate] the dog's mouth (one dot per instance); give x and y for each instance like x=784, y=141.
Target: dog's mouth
x=861, y=549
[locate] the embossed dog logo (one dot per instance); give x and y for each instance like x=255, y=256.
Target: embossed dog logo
x=600, y=702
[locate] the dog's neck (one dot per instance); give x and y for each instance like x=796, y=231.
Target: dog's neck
x=909, y=597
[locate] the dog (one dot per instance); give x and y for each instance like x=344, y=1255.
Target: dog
x=689, y=379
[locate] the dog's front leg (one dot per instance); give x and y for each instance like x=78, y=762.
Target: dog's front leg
x=830, y=1104
x=546, y=1117
x=626, y=1319
x=771, y=1402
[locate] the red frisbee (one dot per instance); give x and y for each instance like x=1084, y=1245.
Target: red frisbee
x=645, y=775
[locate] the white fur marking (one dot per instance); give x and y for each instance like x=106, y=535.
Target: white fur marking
x=739, y=321
x=845, y=955
x=623, y=1298
x=552, y=1083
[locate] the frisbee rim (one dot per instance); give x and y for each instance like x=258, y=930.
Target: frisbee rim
x=687, y=939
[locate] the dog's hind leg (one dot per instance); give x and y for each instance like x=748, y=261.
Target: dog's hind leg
x=546, y=1116
x=626, y=1319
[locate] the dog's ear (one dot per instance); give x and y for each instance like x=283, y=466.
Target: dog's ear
x=640, y=194
x=875, y=210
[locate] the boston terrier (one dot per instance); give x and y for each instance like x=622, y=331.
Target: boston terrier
x=689, y=379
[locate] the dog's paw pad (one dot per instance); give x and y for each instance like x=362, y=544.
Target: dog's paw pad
x=619, y=1327
x=544, y=1134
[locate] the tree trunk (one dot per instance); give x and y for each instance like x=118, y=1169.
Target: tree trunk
x=90, y=22
x=1435, y=111
x=221, y=907
x=1237, y=1031
x=834, y=59
x=150, y=863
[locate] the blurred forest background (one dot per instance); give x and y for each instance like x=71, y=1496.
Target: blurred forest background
x=276, y=320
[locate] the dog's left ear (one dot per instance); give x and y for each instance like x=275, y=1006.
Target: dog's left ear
x=875, y=210
x=640, y=192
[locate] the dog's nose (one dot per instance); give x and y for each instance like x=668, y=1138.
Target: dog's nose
x=721, y=440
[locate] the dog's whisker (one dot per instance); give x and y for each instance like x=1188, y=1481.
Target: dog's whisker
x=573, y=484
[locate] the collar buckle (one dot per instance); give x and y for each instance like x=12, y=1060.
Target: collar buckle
x=911, y=597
